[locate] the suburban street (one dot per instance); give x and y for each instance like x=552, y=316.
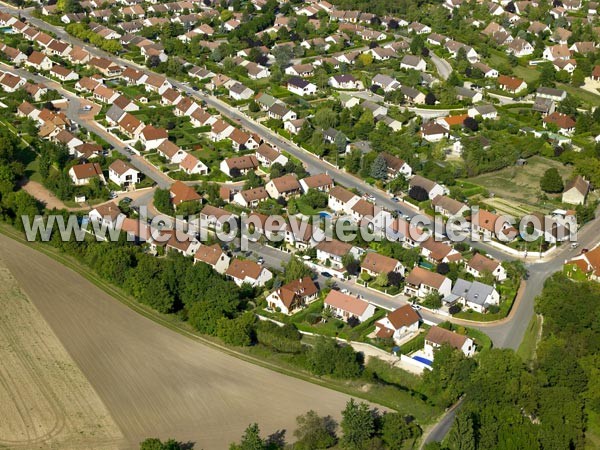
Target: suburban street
x=506, y=333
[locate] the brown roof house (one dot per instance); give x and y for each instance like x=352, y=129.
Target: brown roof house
x=511, y=84
x=479, y=264
x=588, y=263
x=181, y=192
x=345, y=306
x=285, y=186
x=331, y=253
x=421, y=282
x=246, y=271
x=398, y=324
x=241, y=164
x=576, y=191
x=214, y=256
x=81, y=174
x=375, y=264
x=436, y=337
x=123, y=174
x=321, y=182
x=564, y=123
x=293, y=296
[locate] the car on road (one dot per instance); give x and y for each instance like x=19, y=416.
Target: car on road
x=574, y=245
x=195, y=88
x=306, y=258
x=112, y=194
x=415, y=306
x=395, y=199
x=260, y=260
x=326, y=275
x=87, y=108
x=126, y=200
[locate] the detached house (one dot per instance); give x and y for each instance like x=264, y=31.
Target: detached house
x=588, y=263
x=193, y=166
x=170, y=151
x=293, y=296
x=398, y=324
x=436, y=337
x=181, y=193
x=431, y=187
x=267, y=155
x=414, y=63
x=396, y=166
x=511, y=84
x=123, y=174
x=480, y=264
x=576, y=191
x=250, y=198
x=564, y=123
x=246, y=271
x=375, y=264
x=341, y=200
x=285, y=186
x=241, y=164
x=82, y=174
x=39, y=61
x=520, y=47
x=421, y=282
x=331, y=253
x=214, y=256
x=301, y=87
x=447, y=206
x=345, y=306
x=474, y=295
x=321, y=182
x=345, y=81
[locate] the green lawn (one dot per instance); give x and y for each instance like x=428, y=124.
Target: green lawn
x=527, y=348
x=586, y=97
x=529, y=74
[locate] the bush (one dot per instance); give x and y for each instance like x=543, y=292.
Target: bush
x=285, y=339
x=455, y=309
x=493, y=309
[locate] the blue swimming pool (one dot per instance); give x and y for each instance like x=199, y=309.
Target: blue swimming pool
x=324, y=214
x=423, y=360
x=7, y=30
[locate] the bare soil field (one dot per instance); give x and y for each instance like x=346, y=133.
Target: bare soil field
x=45, y=400
x=154, y=381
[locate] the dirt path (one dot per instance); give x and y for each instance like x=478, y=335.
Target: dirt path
x=42, y=194
x=45, y=400
x=156, y=382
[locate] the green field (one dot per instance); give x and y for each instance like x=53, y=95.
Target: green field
x=527, y=348
x=519, y=187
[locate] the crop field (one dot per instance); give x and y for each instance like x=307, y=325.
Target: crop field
x=153, y=380
x=45, y=400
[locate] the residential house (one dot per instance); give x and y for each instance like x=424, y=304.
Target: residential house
x=238, y=91
x=414, y=63
x=38, y=61
x=564, y=123
x=485, y=111
x=492, y=225
x=301, y=87
x=434, y=132
x=511, y=84
x=170, y=151
x=341, y=200
x=279, y=111
x=558, y=95
x=396, y=166
x=520, y=47
x=345, y=81
x=250, y=198
x=107, y=214
x=474, y=295
x=246, y=271
x=302, y=235
x=385, y=82
x=436, y=337
x=181, y=192
x=214, y=256
x=267, y=155
x=480, y=264
x=421, y=282
x=588, y=263
x=293, y=296
x=238, y=166
x=193, y=166
x=321, y=182
x=557, y=52
x=486, y=70
x=344, y=306
x=439, y=252
x=151, y=137
x=412, y=95
x=285, y=186
x=431, y=187
x=105, y=67
x=331, y=253
x=375, y=264
x=82, y=174
x=123, y=174
x=576, y=191
x=398, y=324
x=447, y=206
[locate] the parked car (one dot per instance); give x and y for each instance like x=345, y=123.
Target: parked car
x=326, y=275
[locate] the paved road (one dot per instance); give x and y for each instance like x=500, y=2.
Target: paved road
x=443, y=67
